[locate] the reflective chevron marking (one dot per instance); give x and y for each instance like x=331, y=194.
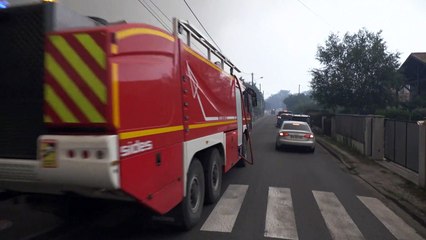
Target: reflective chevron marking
x=223, y=216
x=280, y=221
x=338, y=221
x=392, y=222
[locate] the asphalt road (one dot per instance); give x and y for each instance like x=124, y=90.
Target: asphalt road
x=284, y=195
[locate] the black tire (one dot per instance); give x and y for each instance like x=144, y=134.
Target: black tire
x=192, y=204
x=312, y=150
x=242, y=163
x=277, y=147
x=213, y=176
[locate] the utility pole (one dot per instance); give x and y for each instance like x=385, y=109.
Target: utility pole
x=252, y=78
x=299, y=89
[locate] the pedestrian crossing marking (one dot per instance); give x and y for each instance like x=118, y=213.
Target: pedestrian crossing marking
x=338, y=221
x=395, y=225
x=223, y=216
x=280, y=221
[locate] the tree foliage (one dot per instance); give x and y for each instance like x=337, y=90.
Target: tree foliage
x=300, y=103
x=276, y=100
x=357, y=73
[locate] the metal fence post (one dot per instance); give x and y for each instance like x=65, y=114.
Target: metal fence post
x=422, y=154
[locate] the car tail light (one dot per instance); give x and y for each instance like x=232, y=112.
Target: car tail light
x=283, y=134
x=308, y=136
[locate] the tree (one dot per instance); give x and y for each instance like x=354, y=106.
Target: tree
x=357, y=73
x=300, y=103
x=276, y=101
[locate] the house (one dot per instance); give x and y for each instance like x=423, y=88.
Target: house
x=414, y=70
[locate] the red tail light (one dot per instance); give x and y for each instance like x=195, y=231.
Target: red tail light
x=283, y=134
x=308, y=136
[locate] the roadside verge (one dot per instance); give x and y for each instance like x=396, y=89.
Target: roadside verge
x=405, y=194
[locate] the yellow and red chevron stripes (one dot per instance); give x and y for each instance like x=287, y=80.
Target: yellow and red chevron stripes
x=75, y=86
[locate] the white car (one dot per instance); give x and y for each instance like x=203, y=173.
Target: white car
x=295, y=133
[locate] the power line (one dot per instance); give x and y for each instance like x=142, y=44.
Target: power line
x=150, y=10
x=316, y=14
x=158, y=16
x=202, y=25
x=155, y=16
x=155, y=5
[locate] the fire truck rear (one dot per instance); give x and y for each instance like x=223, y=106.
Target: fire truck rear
x=124, y=111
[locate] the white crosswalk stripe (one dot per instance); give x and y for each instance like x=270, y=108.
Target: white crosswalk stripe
x=223, y=216
x=280, y=221
x=338, y=221
x=392, y=222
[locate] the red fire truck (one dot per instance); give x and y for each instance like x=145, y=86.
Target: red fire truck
x=125, y=111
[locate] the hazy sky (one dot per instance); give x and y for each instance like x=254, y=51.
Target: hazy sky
x=278, y=39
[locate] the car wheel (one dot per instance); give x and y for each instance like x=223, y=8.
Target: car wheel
x=192, y=204
x=312, y=150
x=277, y=146
x=213, y=176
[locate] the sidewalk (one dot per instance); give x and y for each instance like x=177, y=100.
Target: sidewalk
x=382, y=177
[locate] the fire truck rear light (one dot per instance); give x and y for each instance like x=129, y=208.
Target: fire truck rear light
x=100, y=154
x=70, y=153
x=85, y=154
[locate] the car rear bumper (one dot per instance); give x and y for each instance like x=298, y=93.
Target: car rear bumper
x=288, y=142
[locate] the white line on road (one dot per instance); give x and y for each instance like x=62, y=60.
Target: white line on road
x=338, y=221
x=392, y=222
x=223, y=216
x=280, y=221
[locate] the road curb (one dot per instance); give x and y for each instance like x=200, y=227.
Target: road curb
x=339, y=155
x=333, y=151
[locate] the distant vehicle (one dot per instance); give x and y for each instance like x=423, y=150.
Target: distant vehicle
x=302, y=118
x=295, y=133
x=283, y=115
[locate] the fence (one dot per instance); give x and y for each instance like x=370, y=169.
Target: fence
x=351, y=126
x=402, y=143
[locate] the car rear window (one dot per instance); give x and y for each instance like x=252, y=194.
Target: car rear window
x=296, y=126
x=302, y=119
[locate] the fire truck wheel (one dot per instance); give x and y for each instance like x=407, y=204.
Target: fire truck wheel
x=192, y=204
x=213, y=176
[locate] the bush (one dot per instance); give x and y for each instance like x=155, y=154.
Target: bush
x=419, y=114
x=395, y=113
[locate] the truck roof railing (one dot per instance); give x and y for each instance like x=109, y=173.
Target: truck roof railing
x=180, y=26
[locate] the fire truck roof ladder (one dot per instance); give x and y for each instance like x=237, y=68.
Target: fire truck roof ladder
x=181, y=26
